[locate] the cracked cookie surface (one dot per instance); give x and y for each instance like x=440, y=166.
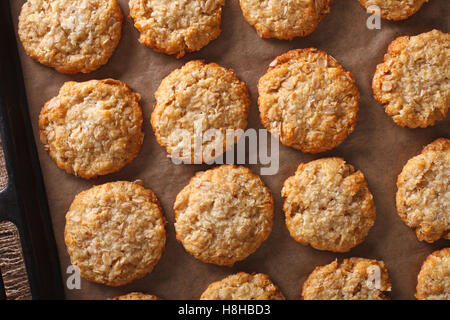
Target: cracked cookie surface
x=395, y=9
x=308, y=101
x=284, y=19
x=70, y=36
x=433, y=281
x=351, y=279
x=92, y=128
x=177, y=26
x=328, y=205
x=243, y=286
x=423, y=192
x=115, y=232
x=194, y=101
x=413, y=82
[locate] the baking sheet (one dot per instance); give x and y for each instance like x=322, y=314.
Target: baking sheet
x=378, y=147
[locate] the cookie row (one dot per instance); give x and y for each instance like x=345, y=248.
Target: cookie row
x=80, y=36
x=306, y=100
x=115, y=232
x=351, y=279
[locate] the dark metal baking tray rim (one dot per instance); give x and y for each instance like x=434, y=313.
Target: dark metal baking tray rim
x=23, y=201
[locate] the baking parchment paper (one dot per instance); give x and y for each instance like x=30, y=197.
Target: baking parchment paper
x=378, y=147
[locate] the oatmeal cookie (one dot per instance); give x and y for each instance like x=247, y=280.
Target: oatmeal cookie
x=308, y=101
x=423, y=192
x=395, y=9
x=223, y=215
x=353, y=279
x=413, y=82
x=92, y=128
x=70, y=36
x=328, y=205
x=195, y=100
x=115, y=232
x=433, y=282
x=284, y=19
x=243, y=286
x=177, y=26
x=136, y=296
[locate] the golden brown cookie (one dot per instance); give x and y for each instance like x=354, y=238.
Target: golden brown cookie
x=284, y=19
x=423, y=195
x=223, y=215
x=395, y=9
x=70, y=36
x=353, y=279
x=115, y=232
x=136, y=296
x=413, y=82
x=328, y=205
x=177, y=26
x=92, y=128
x=243, y=286
x=433, y=282
x=195, y=100
x=308, y=100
